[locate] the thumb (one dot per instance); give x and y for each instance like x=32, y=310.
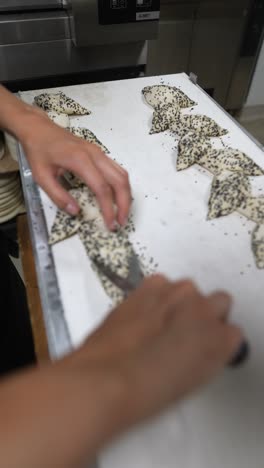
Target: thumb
x=49, y=183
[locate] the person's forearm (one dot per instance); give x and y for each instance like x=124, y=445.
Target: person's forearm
x=15, y=115
x=59, y=416
x=165, y=341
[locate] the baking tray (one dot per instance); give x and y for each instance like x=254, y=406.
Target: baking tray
x=58, y=336
x=170, y=216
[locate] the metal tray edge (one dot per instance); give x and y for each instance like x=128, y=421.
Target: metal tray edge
x=58, y=336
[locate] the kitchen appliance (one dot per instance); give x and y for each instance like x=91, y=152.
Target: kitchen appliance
x=113, y=21
x=52, y=38
x=247, y=57
x=218, y=40
x=17, y=5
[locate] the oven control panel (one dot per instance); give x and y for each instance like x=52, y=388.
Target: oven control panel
x=128, y=11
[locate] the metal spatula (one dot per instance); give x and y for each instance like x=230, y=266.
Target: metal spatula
x=131, y=282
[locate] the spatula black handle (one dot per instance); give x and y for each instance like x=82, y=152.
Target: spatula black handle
x=241, y=356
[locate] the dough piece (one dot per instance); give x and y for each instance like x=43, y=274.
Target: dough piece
x=258, y=245
x=191, y=147
x=110, y=248
x=113, y=249
x=116, y=294
x=89, y=136
x=49, y=102
x=229, y=191
x=199, y=123
x=228, y=159
x=163, y=116
x=90, y=210
x=196, y=149
x=73, y=180
x=60, y=119
x=64, y=226
x=159, y=95
x=253, y=209
x=60, y=103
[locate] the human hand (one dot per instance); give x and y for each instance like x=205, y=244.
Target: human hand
x=52, y=150
x=165, y=341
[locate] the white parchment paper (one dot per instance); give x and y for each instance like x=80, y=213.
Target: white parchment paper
x=223, y=426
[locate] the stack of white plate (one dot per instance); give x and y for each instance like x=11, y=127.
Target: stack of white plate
x=11, y=198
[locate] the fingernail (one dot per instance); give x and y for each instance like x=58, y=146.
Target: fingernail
x=114, y=226
x=122, y=220
x=72, y=209
x=241, y=355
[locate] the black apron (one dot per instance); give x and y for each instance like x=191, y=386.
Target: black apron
x=16, y=342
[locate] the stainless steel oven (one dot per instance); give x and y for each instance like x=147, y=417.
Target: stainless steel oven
x=18, y=5
x=218, y=40
x=113, y=21
x=51, y=38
